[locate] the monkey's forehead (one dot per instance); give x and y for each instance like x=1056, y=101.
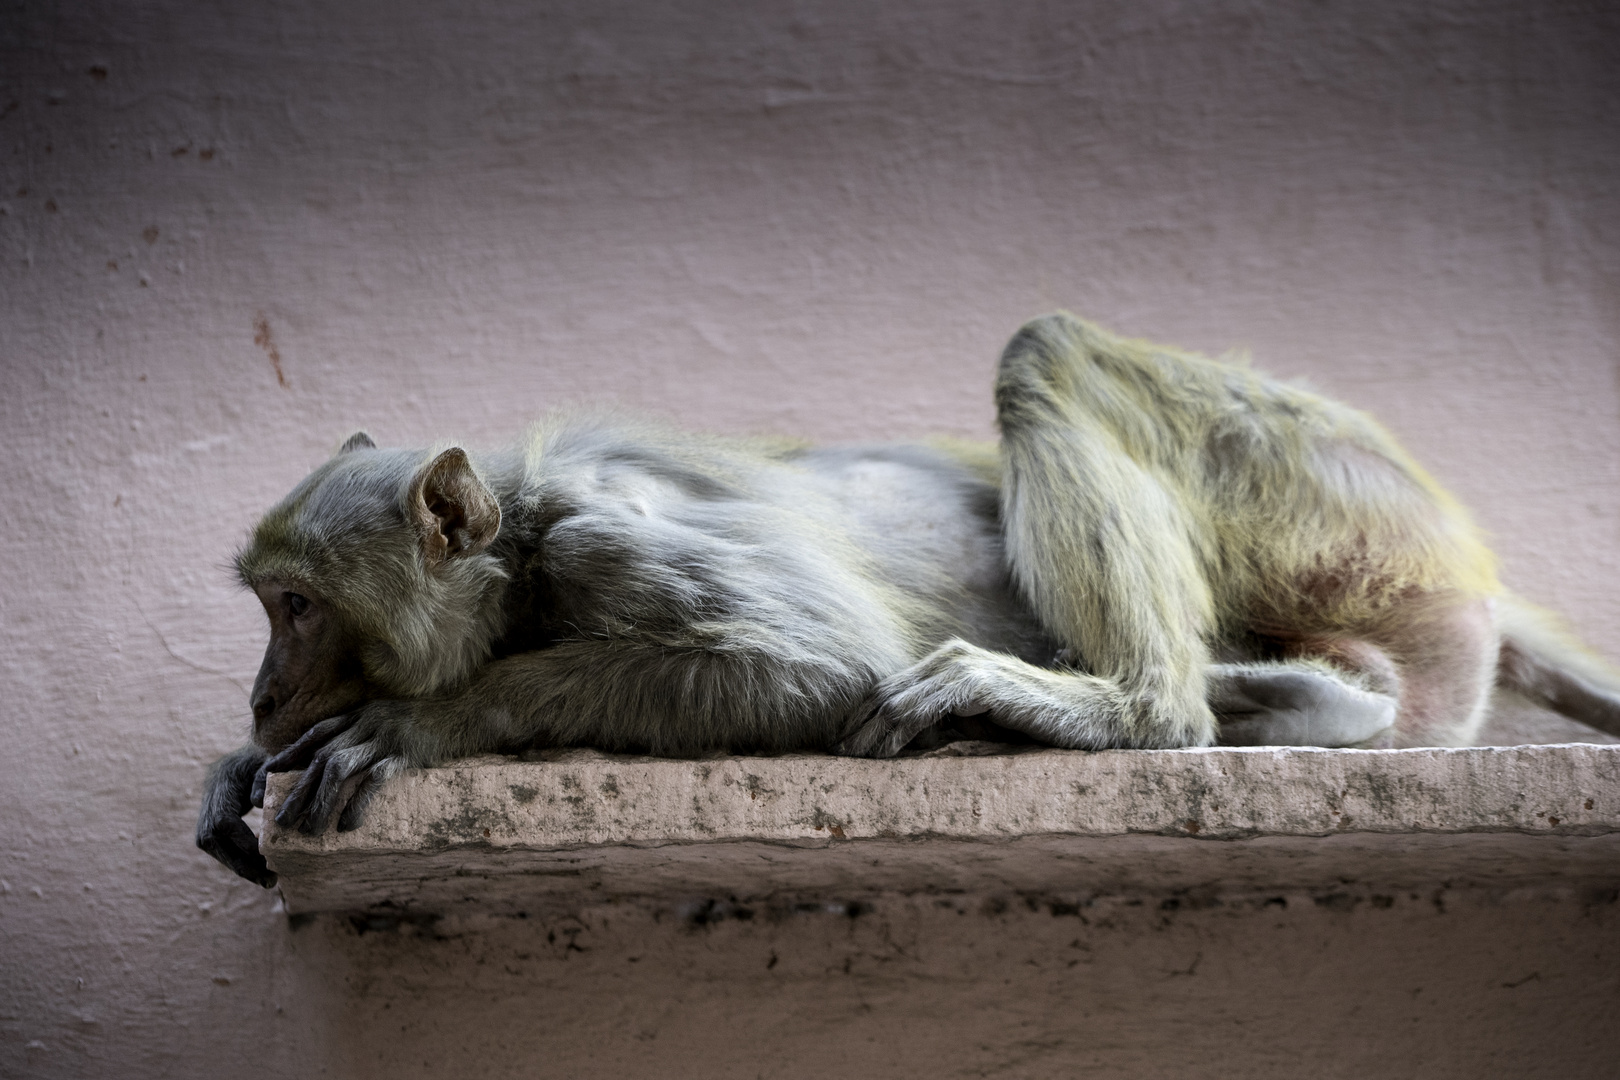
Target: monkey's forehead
x=339, y=520
x=280, y=551
x=338, y=567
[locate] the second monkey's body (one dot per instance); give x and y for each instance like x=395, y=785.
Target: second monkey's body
x=1164, y=549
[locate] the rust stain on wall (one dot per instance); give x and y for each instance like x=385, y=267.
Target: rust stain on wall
x=262, y=338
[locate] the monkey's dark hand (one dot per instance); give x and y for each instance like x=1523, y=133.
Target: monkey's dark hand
x=220, y=829
x=345, y=759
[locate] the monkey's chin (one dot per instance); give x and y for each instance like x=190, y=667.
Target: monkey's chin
x=272, y=742
x=281, y=732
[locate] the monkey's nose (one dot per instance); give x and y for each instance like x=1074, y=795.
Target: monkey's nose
x=263, y=706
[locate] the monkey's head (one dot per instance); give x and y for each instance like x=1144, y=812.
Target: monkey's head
x=376, y=578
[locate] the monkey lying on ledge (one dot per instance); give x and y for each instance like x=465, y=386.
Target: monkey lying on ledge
x=1166, y=550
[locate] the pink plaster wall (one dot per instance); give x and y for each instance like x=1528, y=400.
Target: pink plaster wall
x=231, y=234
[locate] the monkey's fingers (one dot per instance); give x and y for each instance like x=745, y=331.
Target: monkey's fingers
x=344, y=769
x=302, y=752
x=902, y=728
x=233, y=843
x=860, y=735
x=292, y=812
x=858, y=744
x=380, y=774
x=886, y=733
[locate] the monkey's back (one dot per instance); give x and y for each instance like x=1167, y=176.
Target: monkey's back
x=856, y=558
x=1303, y=508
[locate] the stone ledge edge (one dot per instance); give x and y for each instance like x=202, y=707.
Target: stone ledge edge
x=413, y=817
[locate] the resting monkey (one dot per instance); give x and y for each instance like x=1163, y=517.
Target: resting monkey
x=1166, y=550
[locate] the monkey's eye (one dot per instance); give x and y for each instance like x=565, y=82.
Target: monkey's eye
x=298, y=604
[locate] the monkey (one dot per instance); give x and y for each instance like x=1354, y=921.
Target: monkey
x=1163, y=550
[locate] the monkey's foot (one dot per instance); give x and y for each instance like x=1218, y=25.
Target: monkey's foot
x=910, y=702
x=884, y=731
x=1284, y=705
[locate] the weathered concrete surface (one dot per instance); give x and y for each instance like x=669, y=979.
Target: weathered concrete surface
x=499, y=834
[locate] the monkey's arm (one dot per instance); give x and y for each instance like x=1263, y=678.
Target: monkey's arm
x=615, y=695
x=220, y=829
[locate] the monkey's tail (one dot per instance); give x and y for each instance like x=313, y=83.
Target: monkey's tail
x=1542, y=659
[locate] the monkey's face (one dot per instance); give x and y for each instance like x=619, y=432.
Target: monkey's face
x=374, y=574
x=311, y=668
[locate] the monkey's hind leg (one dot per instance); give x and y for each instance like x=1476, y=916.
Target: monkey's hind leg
x=1059, y=708
x=1064, y=708
x=1293, y=703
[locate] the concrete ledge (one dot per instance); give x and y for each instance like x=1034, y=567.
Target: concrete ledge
x=501, y=834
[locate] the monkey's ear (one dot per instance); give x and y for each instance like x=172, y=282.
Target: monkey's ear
x=455, y=513
x=358, y=441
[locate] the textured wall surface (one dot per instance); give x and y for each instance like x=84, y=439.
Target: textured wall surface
x=231, y=234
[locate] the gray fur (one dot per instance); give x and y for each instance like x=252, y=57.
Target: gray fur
x=686, y=594
x=1109, y=578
